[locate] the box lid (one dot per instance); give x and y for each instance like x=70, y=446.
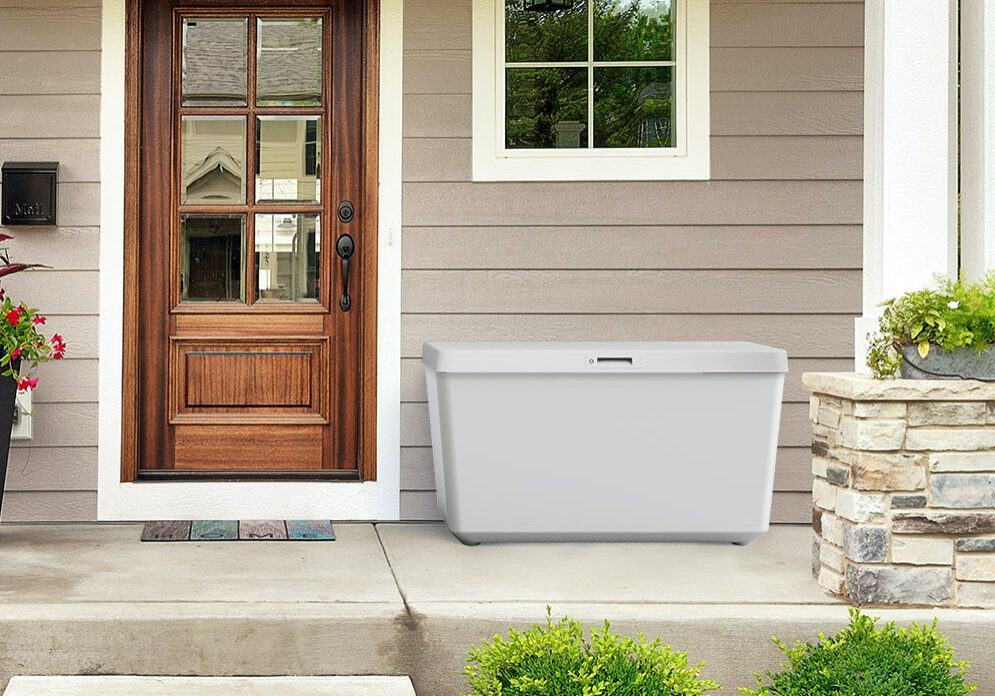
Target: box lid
x=561, y=357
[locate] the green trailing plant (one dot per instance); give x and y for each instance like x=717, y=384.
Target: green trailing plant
x=864, y=660
x=557, y=660
x=954, y=314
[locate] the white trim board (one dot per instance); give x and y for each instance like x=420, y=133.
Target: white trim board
x=691, y=159
x=371, y=500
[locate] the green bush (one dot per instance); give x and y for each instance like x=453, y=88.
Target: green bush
x=955, y=314
x=863, y=660
x=556, y=660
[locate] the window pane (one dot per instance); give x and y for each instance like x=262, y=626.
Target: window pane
x=289, y=62
x=211, y=258
x=288, y=158
x=546, y=107
x=214, y=58
x=288, y=248
x=532, y=35
x=213, y=160
x=633, y=30
x=633, y=107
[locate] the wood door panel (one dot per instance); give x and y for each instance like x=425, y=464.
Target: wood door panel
x=248, y=447
x=271, y=378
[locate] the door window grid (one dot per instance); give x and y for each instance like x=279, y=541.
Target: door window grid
x=314, y=154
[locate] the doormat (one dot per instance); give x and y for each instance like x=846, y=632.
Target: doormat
x=239, y=530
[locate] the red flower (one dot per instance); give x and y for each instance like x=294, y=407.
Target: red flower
x=15, y=353
x=14, y=316
x=27, y=383
x=58, y=355
x=38, y=320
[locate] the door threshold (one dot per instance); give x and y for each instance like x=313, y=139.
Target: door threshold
x=235, y=476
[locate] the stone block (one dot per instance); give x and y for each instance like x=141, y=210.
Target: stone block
x=830, y=435
x=973, y=545
x=842, y=454
x=947, y=413
x=889, y=472
x=830, y=417
x=832, y=528
x=922, y=551
x=861, y=507
x=816, y=562
x=831, y=581
x=813, y=408
x=976, y=594
x=899, y=585
x=817, y=521
x=955, y=439
x=820, y=448
x=962, y=490
x=974, y=566
x=875, y=435
x=908, y=501
x=938, y=522
x=819, y=466
x=879, y=409
x=838, y=474
x=865, y=544
x=831, y=557
x=824, y=494
x=962, y=461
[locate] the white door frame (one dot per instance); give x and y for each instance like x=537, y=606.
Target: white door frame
x=369, y=500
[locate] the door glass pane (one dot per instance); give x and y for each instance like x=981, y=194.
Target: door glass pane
x=214, y=62
x=537, y=35
x=213, y=160
x=289, y=62
x=633, y=107
x=633, y=30
x=287, y=252
x=546, y=107
x=288, y=157
x=211, y=258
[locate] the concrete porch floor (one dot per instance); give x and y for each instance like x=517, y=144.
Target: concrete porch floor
x=403, y=599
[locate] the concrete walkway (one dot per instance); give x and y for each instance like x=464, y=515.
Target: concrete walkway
x=401, y=599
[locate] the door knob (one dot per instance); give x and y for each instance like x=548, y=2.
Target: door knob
x=345, y=247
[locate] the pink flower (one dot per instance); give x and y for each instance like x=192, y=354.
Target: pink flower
x=27, y=383
x=15, y=354
x=38, y=320
x=14, y=316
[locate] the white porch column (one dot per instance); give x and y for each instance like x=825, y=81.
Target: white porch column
x=910, y=150
x=977, y=137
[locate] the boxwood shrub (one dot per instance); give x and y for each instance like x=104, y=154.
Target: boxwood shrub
x=863, y=660
x=557, y=660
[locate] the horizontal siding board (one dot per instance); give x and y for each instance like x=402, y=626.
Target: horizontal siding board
x=792, y=471
x=42, y=27
x=78, y=158
x=66, y=381
x=632, y=248
x=80, y=332
x=733, y=158
x=62, y=248
x=413, y=377
x=50, y=506
x=796, y=429
x=786, y=508
x=78, y=205
x=624, y=292
x=427, y=20
x=787, y=113
x=50, y=116
x=50, y=72
x=733, y=114
x=796, y=24
x=56, y=292
x=788, y=69
x=62, y=425
x=52, y=469
x=803, y=336
x=635, y=203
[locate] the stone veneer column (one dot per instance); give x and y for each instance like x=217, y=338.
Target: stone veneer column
x=904, y=490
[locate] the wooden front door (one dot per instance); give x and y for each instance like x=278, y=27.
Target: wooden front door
x=251, y=253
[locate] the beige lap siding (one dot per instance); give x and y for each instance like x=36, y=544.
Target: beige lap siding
x=769, y=250
x=50, y=110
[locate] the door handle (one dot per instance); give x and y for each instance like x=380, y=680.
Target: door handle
x=345, y=247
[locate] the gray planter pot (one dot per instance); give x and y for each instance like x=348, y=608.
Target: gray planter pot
x=959, y=363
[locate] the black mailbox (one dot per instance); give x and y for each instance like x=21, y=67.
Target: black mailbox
x=29, y=193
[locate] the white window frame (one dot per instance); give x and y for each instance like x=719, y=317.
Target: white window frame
x=690, y=159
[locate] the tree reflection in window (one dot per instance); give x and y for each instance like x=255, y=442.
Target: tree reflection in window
x=600, y=74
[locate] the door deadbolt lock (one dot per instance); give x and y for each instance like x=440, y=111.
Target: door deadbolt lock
x=346, y=211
